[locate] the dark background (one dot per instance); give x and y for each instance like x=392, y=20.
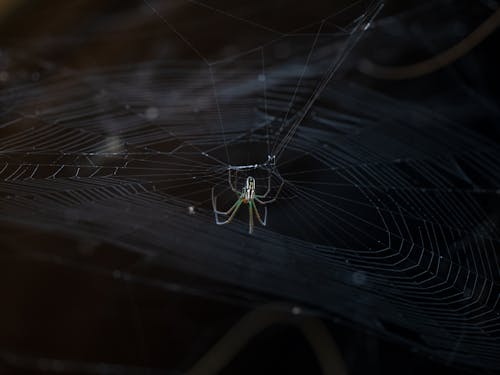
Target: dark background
x=51, y=310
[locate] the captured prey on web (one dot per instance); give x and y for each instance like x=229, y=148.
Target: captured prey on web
x=248, y=194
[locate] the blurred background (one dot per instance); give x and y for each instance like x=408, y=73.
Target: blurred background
x=68, y=306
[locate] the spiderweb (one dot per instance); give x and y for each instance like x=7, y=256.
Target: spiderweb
x=385, y=217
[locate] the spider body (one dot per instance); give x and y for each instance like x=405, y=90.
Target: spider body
x=249, y=190
x=247, y=196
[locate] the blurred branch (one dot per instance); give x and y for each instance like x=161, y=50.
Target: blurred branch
x=438, y=61
x=312, y=328
x=6, y=6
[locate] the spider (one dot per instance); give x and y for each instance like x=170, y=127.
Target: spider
x=247, y=196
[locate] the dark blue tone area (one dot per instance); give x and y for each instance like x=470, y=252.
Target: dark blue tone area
x=374, y=132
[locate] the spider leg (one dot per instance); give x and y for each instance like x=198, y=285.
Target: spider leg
x=230, y=180
x=257, y=197
x=214, y=205
x=268, y=187
x=234, y=210
x=250, y=221
x=263, y=222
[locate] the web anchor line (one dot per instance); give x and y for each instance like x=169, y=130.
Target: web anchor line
x=361, y=26
x=248, y=194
